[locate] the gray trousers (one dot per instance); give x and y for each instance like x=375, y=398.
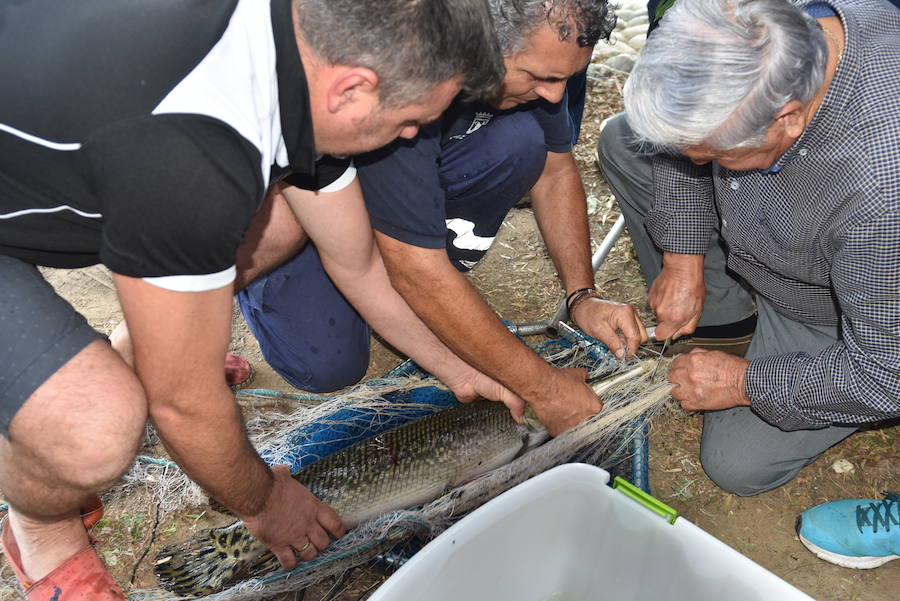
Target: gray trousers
x=740, y=452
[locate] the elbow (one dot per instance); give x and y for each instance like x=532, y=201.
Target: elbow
x=412, y=271
x=403, y=281
x=173, y=409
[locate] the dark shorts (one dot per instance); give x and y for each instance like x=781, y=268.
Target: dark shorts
x=39, y=333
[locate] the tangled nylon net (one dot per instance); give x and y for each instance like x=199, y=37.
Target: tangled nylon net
x=633, y=393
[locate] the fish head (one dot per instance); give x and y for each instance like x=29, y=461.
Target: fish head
x=533, y=432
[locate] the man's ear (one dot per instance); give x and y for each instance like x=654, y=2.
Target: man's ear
x=351, y=86
x=793, y=118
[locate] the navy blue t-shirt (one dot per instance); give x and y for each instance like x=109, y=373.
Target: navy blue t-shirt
x=404, y=183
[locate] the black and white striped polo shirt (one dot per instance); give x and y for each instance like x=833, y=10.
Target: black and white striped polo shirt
x=143, y=134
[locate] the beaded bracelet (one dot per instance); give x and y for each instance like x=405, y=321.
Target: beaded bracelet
x=576, y=298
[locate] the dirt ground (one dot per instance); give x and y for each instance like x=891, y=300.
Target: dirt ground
x=519, y=282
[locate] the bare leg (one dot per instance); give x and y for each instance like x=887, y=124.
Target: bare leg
x=76, y=435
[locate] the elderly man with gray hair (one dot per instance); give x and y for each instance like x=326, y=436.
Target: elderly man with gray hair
x=762, y=137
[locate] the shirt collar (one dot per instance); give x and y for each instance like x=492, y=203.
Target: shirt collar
x=832, y=109
x=293, y=93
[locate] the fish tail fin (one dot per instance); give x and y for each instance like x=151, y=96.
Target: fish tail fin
x=212, y=560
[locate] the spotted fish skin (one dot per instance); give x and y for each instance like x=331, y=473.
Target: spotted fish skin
x=212, y=560
x=409, y=465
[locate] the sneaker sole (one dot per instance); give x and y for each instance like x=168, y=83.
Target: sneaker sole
x=847, y=561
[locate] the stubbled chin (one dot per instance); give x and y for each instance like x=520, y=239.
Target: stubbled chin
x=498, y=102
x=512, y=102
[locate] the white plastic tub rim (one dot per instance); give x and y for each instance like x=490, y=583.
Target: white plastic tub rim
x=566, y=536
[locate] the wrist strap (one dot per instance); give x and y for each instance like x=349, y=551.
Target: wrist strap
x=574, y=299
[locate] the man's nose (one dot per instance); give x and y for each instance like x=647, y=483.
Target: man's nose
x=552, y=92
x=409, y=132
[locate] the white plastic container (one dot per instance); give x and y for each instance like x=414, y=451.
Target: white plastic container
x=566, y=536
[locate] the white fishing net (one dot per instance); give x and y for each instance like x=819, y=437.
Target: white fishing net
x=631, y=399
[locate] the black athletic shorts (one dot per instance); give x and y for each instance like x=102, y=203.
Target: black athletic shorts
x=39, y=333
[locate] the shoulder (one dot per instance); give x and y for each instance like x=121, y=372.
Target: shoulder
x=115, y=63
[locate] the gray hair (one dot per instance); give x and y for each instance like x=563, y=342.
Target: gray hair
x=585, y=20
x=412, y=45
x=718, y=72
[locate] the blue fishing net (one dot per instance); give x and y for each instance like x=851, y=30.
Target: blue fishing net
x=322, y=437
x=626, y=457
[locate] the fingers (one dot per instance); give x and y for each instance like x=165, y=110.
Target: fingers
x=317, y=539
x=617, y=325
x=294, y=523
x=285, y=556
x=307, y=553
x=615, y=339
x=635, y=335
x=567, y=400
x=709, y=380
x=668, y=329
x=331, y=522
x=516, y=408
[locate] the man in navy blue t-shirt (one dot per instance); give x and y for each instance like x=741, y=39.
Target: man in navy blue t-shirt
x=436, y=203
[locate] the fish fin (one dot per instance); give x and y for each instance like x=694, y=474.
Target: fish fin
x=212, y=560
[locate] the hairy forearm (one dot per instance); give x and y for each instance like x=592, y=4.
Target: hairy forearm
x=371, y=293
x=179, y=340
x=206, y=437
x=453, y=309
x=561, y=211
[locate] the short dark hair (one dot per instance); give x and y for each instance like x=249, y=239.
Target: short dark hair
x=585, y=20
x=412, y=45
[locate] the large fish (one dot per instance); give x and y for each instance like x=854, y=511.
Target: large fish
x=407, y=466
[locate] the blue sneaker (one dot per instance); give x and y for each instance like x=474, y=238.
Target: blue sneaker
x=853, y=533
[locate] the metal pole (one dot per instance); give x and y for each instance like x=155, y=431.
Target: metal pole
x=551, y=326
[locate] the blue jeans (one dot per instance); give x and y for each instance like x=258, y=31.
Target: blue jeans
x=307, y=330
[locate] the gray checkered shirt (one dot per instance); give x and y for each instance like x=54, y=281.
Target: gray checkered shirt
x=818, y=235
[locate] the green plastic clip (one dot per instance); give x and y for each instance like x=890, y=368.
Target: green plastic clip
x=649, y=501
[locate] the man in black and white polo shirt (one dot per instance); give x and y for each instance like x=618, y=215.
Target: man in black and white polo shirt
x=146, y=136
x=437, y=202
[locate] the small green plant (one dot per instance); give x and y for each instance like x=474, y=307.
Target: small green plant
x=132, y=523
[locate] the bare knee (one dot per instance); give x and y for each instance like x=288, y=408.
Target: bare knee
x=83, y=426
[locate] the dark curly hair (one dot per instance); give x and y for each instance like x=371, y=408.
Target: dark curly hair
x=586, y=20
